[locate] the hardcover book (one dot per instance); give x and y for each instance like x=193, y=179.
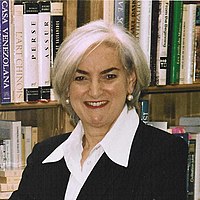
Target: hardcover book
x=5, y=54
x=12, y=130
x=18, y=53
x=44, y=53
x=175, y=46
x=30, y=29
x=121, y=13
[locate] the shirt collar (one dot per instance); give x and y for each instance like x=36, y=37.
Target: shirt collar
x=116, y=144
x=118, y=141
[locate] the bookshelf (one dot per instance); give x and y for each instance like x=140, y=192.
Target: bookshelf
x=169, y=103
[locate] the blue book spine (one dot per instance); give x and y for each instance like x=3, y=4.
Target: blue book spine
x=5, y=52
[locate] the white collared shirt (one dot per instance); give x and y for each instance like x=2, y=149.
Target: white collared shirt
x=116, y=144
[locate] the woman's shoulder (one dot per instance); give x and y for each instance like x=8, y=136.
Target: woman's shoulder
x=42, y=149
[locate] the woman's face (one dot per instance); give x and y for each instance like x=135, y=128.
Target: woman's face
x=99, y=88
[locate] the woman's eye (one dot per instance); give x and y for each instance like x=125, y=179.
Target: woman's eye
x=111, y=76
x=79, y=78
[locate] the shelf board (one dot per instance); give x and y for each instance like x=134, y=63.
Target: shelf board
x=25, y=106
x=172, y=89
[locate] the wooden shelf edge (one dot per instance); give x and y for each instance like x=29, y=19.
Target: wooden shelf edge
x=172, y=89
x=25, y=106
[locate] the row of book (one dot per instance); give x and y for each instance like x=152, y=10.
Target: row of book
x=189, y=129
x=16, y=143
x=31, y=33
x=169, y=34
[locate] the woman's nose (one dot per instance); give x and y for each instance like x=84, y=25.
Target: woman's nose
x=95, y=89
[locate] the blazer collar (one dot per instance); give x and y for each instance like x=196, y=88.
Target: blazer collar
x=106, y=172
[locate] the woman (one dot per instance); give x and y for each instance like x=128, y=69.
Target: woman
x=99, y=73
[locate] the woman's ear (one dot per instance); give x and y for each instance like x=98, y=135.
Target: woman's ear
x=132, y=79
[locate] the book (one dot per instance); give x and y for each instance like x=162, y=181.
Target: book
x=153, y=40
x=145, y=28
x=196, y=137
x=5, y=153
x=189, y=120
x=5, y=195
x=12, y=130
x=144, y=110
x=18, y=52
x=134, y=18
x=44, y=53
x=108, y=11
x=197, y=46
x=56, y=28
x=159, y=124
x=11, y=172
x=8, y=187
x=121, y=13
x=34, y=136
x=175, y=46
x=26, y=131
x=10, y=179
x=162, y=43
x=30, y=29
x=5, y=52
x=191, y=169
x=188, y=44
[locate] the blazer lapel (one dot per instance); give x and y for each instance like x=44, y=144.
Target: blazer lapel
x=106, y=172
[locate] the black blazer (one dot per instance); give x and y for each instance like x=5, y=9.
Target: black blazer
x=156, y=170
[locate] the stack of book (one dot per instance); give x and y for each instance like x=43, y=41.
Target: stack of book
x=9, y=181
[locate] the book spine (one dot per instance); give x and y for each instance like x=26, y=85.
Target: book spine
x=144, y=110
x=153, y=41
x=197, y=46
x=2, y=155
x=34, y=136
x=145, y=27
x=188, y=44
x=27, y=132
x=134, y=20
x=121, y=13
x=14, y=179
x=8, y=187
x=30, y=29
x=16, y=153
x=176, y=42
x=5, y=195
x=5, y=52
x=11, y=172
x=7, y=146
x=162, y=43
x=44, y=53
x=56, y=28
x=108, y=11
x=191, y=169
x=18, y=54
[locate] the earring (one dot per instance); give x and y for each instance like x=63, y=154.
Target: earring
x=130, y=97
x=67, y=101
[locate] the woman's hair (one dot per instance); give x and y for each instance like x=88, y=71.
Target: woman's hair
x=91, y=35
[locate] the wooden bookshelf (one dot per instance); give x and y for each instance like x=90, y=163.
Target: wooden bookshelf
x=169, y=103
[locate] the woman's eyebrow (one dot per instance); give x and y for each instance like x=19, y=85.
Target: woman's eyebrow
x=80, y=71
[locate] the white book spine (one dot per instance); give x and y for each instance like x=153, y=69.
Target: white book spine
x=189, y=43
x=30, y=52
x=44, y=37
x=18, y=54
x=7, y=153
x=162, y=43
x=16, y=153
x=145, y=27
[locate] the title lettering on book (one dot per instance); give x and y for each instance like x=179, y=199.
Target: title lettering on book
x=46, y=41
x=5, y=43
x=19, y=64
x=33, y=40
x=120, y=9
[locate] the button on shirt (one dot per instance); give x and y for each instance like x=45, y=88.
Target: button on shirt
x=116, y=144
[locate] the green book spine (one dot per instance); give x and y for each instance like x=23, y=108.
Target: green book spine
x=176, y=42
